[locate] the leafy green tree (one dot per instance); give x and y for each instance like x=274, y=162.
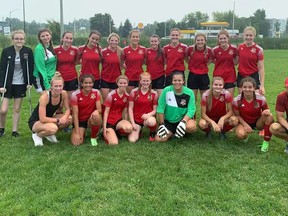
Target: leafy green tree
x=260, y=23
x=125, y=29
x=193, y=20
x=54, y=27
x=102, y=23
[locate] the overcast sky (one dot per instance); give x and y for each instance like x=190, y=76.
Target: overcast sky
x=145, y=11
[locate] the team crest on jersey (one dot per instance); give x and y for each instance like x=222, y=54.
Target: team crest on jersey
x=140, y=52
x=221, y=98
x=149, y=97
x=231, y=52
x=219, y=53
x=183, y=102
x=124, y=99
x=180, y=49
x=72, y=52
x=115, y=99
x=93, y=96
x=80, y=99
x=253, y=50
x=96, y=51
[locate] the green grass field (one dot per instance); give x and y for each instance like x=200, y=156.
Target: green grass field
x=189, y=176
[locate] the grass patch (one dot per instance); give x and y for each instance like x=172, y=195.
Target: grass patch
x=191, y=176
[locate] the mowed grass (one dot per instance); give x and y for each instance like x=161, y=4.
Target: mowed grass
x=189, y=176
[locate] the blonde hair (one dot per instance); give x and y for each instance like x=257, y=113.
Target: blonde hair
x=57, y=76
x=250, y=28
x=132, y=31
x=210, y=96
x=223, y=31
x=122, y=76
x=17, y=32
x=175, y=29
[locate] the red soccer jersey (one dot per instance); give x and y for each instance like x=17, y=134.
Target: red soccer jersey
x=90, y=60
x=249, y=58
x=198, y=59
x=224, y=63
x=134, y=60
x=282, y=103
x=250, y=111
x=110, y=65
x=86, y=103
x=175, y=57
x=66, y=60
x=218, y=107
x=117, y=104
x=143, y=103
x=155, y=65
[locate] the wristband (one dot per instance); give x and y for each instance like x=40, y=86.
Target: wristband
x=58, y=121
x=184, y=121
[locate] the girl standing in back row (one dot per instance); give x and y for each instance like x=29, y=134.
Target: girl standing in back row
x=67, y=58
x=155, y=63
x=91, y=56
x=45, y=61
x=251, y=60
x=133, y=57
x=225, y=55
x=174, y=54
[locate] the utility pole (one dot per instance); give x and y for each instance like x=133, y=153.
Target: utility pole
x=61, y=18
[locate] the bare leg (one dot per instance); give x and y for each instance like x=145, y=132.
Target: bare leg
x=16, y=113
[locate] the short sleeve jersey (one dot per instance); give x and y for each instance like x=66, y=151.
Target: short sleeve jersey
x=116, y=104
x=250, y=111
x=249, y=58
x=282, y=103
x=90, y=61
x=198, y=60
x=224, y=63
x=218, y=106
x=66, y=62
x=176, y=106
x=143, y=103
x=86, y=103
x=175, y=57
x=155, y=65
x=110, y=65
x=134, y=59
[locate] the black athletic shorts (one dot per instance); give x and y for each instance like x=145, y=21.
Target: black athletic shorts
x=15, y=91
x=198, y=81
x=108, y=85
x=71, y=85
x=255, y=76
x=158, y=83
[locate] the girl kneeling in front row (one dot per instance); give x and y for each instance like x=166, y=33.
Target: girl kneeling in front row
x=252, y=111
x=115, y=116
x=216, y=109
x=142, y=108
x=86, y=108
x=44, y=122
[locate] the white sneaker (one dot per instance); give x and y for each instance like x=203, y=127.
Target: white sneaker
x=37, y=140
x=52, y=139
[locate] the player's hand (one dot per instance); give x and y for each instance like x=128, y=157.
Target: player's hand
x=180, y=130
x=2, y=90
x=162, y=131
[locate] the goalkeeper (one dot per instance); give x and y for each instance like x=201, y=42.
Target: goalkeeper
x=176, y=109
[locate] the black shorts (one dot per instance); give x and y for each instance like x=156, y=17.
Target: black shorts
x=31, y=124
x=171, y=126
x=108, y=85
x=15, y=91
x=255, y=76
x=158, y=83
x=198, y=81
x=71, y=85
x=253, y=126
x=133, y=83
x=168, y=78
x=229, y=85
x=83, y=124
x=97, y=84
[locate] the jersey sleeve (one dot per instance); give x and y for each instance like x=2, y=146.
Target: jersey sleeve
x=108, y=101
x=74, y=99
x=280, y=104
x=39, y=59
x=191, y=106
x=162, y=101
